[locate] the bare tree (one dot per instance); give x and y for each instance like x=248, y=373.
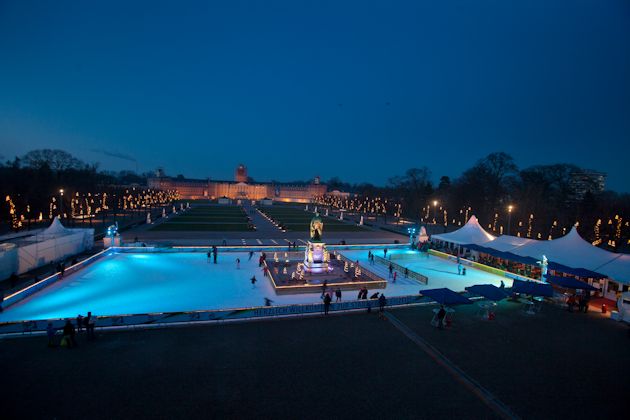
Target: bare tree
x=56, y=160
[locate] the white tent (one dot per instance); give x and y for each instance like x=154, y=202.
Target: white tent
x=55, y=229
x=470, y=233
x=49, y=245
x=507, y=243
x=617, y=269
x=570, y=250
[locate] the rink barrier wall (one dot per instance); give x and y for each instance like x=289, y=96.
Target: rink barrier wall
x=150, y=319
x=401, y=269
x=47, y=281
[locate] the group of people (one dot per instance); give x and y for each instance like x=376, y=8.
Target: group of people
x=581, y=301
x=69, y=332
x=213, y=254
x=382, y=300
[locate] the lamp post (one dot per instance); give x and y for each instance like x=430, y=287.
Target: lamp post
x=412, y=234
x=510, y=207
x=61, y=203
x=435, y=203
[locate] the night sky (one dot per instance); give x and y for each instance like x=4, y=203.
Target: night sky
x=360, y=90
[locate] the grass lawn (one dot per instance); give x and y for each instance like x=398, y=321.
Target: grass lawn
x=227, y=227
x=207, y=218
x=295, y=219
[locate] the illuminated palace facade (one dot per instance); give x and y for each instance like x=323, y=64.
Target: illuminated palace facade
x=240, y=188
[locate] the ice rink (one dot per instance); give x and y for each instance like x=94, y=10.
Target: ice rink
x=441, y=272
x=126, y=283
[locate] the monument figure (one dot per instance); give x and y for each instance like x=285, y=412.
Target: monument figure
x=316, y=255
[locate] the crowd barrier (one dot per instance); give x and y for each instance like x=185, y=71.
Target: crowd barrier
x=401, y=269
x=26, y=327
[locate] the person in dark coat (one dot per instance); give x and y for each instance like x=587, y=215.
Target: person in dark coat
x=50, y=332
x=80, y=322
x=215, y=251
x=374, y=296
x=587, y=299
x=382, y=301
x=338, y=295
x=253, y=280
x=68, y=334
x=90, y=323
x=327, y=300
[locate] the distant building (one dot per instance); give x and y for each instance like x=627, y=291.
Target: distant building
x=586, y=181
x=240, y=188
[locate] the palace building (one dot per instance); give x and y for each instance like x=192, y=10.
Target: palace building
x=241, y=188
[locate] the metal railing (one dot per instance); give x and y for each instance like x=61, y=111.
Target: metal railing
x=410, y=274
x=367, y=273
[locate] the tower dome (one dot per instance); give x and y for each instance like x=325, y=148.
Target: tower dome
x=241, y=173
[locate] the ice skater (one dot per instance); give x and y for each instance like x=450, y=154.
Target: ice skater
x=209, y=255
x=251, y=254
x=215, y=251
x=395, y=275
x=238, y=263
x=253, y=280
x=385, y=253
x=338, y=294
x=459, y=269
x=268, y=302
x=391, y=270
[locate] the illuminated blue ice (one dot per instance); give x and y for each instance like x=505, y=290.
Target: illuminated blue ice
x=440, y=271
x=170, y=282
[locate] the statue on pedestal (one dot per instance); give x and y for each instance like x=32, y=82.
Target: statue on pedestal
x=316, y=256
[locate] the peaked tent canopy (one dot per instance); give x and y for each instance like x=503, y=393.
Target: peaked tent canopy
x=55, y=229
x=470, y=233
x=617, y=268
x=570, y=250
x=445, y=296
x=489, y=291
x=532, y=288
x=569, y=283
x=506, y=243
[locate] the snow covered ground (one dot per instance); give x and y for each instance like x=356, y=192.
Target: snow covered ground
x=143, y=283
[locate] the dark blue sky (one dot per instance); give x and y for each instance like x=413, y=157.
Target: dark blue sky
x=361, y=90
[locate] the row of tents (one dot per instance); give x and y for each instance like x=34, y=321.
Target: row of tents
x=449, y=297
x=569, y=254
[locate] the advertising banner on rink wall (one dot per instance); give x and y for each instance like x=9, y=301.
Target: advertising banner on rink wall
x=25, y=327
